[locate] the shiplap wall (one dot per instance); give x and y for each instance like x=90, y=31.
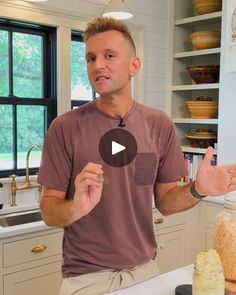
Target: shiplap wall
x=151, y=18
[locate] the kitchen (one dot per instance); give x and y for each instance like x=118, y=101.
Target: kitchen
x=152, y=29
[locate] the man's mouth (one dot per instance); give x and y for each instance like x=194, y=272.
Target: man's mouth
x=101, y=78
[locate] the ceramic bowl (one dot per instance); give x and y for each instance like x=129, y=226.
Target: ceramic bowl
x=202, y=109
x=202, y=138
x=207, y=6
x=204, y=73
x=205, y=39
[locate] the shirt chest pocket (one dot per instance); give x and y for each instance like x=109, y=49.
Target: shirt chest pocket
x=145, y=168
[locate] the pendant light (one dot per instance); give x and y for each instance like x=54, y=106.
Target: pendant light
x=117, y=9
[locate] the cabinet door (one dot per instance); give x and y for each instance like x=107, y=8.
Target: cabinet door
x=43, y=280
x=209, y=238
x=171, y=250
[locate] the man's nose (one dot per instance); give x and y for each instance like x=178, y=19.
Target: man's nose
x=99, y=63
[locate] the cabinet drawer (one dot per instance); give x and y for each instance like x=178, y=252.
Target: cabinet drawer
x=45, y=279
x=31, y=249
x=162, y=222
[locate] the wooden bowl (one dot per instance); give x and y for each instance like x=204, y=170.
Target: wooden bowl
x=205, y=39
x=207, y=6
x=202, y=109
x=204, y=73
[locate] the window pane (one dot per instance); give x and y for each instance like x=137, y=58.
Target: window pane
x=27, y=65
x=80, y=87
x=6, y=138
x=30, y=130
x=4, y=64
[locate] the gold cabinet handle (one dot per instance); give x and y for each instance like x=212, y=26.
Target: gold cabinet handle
x=39, y=248
x=162, y=246
x=159, y=221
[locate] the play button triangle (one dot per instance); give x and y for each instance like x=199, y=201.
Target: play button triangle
x=116, y=147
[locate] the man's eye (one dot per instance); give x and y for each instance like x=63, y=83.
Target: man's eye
x=109, y=55
x=91, y=59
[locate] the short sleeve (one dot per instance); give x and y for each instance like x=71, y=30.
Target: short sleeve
x=55, y=169
x=172, y=165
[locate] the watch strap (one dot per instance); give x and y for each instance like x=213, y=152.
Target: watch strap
x=194, y=193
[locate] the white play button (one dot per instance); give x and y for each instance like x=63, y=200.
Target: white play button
x=116, y=147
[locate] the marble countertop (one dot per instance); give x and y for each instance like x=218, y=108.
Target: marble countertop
x=163, y=284
x=25, y=228
x=21, y=229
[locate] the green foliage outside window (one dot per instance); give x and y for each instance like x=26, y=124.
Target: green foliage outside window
x=78, y=65
x=4, y=61
x=27, y=65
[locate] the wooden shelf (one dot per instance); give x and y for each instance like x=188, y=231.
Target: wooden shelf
x=195, y=121
x=206, y=18
x=195, y=87
x=197, y=53
x=189, y=149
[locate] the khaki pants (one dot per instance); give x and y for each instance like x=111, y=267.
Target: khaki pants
x=105, y=281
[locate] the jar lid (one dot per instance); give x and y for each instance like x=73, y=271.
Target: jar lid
x=230, y=201
x=183, y=290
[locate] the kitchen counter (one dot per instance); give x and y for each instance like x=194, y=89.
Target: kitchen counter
x=163, y=284
x=10, y=231
x=21, y=229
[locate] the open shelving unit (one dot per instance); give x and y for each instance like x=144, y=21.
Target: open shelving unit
x=182, y=88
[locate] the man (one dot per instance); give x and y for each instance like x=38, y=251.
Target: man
x=106, y=209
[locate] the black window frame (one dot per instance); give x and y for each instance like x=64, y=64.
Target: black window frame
x=49, y=81
x=78, y=36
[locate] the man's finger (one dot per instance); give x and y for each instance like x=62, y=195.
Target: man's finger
x=209, y=155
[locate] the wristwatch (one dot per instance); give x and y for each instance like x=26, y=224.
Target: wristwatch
x=194, y=193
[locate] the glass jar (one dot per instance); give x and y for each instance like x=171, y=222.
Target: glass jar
x=208, y=275
x=225, y=237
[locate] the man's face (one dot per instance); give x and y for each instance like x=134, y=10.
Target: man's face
x=110, y=62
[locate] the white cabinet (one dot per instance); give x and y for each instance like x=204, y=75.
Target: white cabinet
x=209, y=210
x=182, y=87
x=171, y=250
x=170, y=234
x=31, y=263
x=40, y=280
x=180, y=237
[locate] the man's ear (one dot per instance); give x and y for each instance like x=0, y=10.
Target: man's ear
x=135, y=64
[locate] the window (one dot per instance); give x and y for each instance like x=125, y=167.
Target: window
x=27, y=92
x=81, y=91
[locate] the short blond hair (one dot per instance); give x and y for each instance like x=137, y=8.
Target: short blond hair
x=103, y=24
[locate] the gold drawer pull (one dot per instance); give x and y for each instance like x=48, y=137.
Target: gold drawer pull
x=162, y=246
x=159, y=221
x=39, y=248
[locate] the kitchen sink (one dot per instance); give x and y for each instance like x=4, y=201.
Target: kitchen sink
x=19, y=218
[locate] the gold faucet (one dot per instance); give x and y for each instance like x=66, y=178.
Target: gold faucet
x=28, y=184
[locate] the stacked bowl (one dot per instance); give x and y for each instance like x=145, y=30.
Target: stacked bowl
x=202, y=138
x=202, y=108
x=205, y=39
x=207, y=6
